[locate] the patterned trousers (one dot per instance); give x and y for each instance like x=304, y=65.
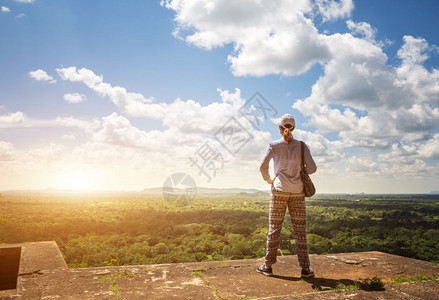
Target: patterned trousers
x=296, y=206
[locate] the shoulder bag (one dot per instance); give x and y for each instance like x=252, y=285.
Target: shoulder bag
x=308, y=187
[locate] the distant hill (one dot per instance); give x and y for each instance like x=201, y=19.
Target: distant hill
x=152, y=191
x=200, y=191
x=206, y=191
x=146, y=191
x=54, y=191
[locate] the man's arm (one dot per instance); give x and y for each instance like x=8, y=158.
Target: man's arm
x=310, y=165
x=265, y=163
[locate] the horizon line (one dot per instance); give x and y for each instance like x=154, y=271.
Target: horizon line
x=85, y=191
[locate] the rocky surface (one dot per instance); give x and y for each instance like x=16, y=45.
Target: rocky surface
x=225, y=279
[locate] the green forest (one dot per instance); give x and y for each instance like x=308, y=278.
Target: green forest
x=131, y=228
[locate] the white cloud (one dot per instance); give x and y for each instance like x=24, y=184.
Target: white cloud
x=269, y=37
x=370, y=103
x=24, y=1
x=50, y=154
x=322, y=149
x=431, y=148
x=133, y=104
x=399, y=151
x=365, y=30
x=188, y=115
x=189, y=123
x=74, y=97
x=41, y=75
x=413, y=50
x=331, y=9
x=20, y=16
x=114, y=141
x=115, y=146
x=281, y=51
x=421, y=84
x=119, y=136
x=117, y=130
x=357, y=164
x=69, y=137
x=12, y=119
x=19, y=119
x=415, y=168
x=106, y=167
x=86, y=125
x=7, y=151
x=5, y=9
x=192, y=117
x=408, y=153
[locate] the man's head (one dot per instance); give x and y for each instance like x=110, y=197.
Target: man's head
x=286, y=126
x=287, y=121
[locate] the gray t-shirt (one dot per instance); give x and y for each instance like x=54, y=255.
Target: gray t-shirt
x=287, y=161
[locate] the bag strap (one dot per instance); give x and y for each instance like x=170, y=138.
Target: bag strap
x=301, y=150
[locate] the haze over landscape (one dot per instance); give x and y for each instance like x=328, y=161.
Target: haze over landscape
x=120, y=95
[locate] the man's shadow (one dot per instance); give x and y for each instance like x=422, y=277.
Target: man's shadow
x=320, y=284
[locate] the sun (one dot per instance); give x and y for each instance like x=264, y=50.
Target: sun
x=76, y=181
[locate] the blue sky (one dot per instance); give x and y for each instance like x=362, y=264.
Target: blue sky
x=119, y=95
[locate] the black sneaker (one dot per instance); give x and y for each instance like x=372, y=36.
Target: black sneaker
x=264, y=270
x=307, y=273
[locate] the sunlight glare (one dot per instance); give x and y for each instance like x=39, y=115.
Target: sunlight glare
x=76, y=181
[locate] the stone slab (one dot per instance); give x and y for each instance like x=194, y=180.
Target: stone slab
x=406, y=291
x=238, y=279
x=39, y=256
x=35, y=257
x=233, y=280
